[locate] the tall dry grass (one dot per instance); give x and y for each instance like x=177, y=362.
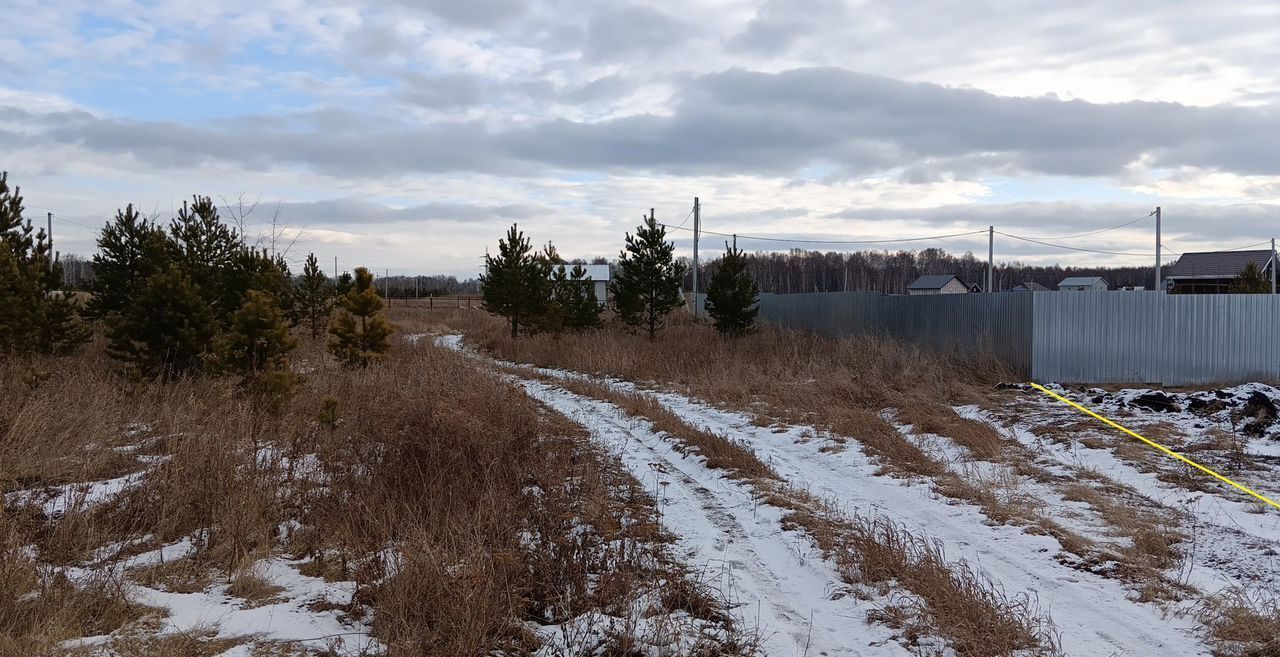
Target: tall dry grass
x=946, y=599
x=462, y=509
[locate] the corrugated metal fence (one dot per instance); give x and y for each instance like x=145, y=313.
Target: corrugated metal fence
x=1149, y=337
x=1070, y=337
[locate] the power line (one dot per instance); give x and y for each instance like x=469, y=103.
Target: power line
x=1103, y=230
x=686, y=218
x=1249, y=246
x=808, y=241
x=1071, y=248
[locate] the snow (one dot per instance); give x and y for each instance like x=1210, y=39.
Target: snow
x=778, y=581
x=782, y=573
x=1234, y=544
x=286, y=617
x=58, y=500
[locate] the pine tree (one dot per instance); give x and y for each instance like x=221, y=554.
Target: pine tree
x=344, y=284
x=62, y=329
x=131, y=250
x=32, y=316
x=360, y=334
x=209, y=252
x=646, y=284
x=258, y=339
x=515, y=284
x=1251, y=281
x=733, y=296
x=168, y=328
x=315, y=300
x=574, y=296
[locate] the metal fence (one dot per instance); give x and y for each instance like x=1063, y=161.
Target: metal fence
x=1070, y=337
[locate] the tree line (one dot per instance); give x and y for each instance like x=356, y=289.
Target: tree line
x=182, y=298
x=889, y=272
x=538, y=292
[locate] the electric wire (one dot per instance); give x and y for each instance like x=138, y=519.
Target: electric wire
x=1072, y=248
x=812, y=241
x=1096, y=232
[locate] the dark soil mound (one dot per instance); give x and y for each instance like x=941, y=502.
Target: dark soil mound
x=1156, y=401
x=1261, y=413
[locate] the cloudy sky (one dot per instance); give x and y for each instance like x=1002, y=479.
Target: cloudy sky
x=407, y=134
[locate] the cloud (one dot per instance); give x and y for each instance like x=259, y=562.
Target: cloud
x=762, y=123
x=617, y=33
x=356, y=212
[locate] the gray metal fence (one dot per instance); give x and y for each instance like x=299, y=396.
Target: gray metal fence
x=1070, y=337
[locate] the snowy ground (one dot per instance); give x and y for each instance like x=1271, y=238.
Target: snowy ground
x=788, y=585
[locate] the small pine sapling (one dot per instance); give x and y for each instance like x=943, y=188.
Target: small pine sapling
x=359, y=333
x=315, y=301
x=646, y=286
x=732, y=296
x=515, y=284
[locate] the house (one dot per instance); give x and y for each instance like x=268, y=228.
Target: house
x=1212, y=272
x=1083, y=284
x=597, y=274
x=937, y=284
x=1029, y=286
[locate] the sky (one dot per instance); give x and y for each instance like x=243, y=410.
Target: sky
x=407, y=135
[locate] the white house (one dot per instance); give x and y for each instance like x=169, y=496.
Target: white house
x=1083, y=284
x=937, y=284
x=597, y=274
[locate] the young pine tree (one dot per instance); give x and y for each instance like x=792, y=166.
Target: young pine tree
x=131, y=249
x=732, y=295
x=314, y=297
x=33, y=316
x=344, y=284
x=1251, y=281
x=360, y=334
x=209, y=252
x=258, y=339
x=168, y=329
x=515, y=284
x=574, y=295
x=646, y=283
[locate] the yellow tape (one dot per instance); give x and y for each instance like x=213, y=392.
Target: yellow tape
x=1156, y=445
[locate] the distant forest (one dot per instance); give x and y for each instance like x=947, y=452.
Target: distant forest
x=883, y=271
x=791, y=271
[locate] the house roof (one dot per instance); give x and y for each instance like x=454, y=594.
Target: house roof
x=594, y=272
x=1082, y=280
x=1030, y=286
x=932, y=282
x=1217, y=264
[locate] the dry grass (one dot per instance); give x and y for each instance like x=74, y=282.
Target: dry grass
x=838, y=384
x=842, y=386
x=427, y=458
x=1244, y=623
x=949, y=599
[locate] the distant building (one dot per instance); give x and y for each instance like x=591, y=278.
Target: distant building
x=937, y=284
x=597, y=274
x=1029, y=286
x=1212, y=272
x=1083, y=284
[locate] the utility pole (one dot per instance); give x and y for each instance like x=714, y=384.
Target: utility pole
x=386, y=285
x=991, y=257
x=1159, y=284
x=335, y=270
x=50, y=231
x=1274, y=264
x=697, y=225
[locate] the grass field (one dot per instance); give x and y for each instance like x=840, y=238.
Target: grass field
x=603, y=494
